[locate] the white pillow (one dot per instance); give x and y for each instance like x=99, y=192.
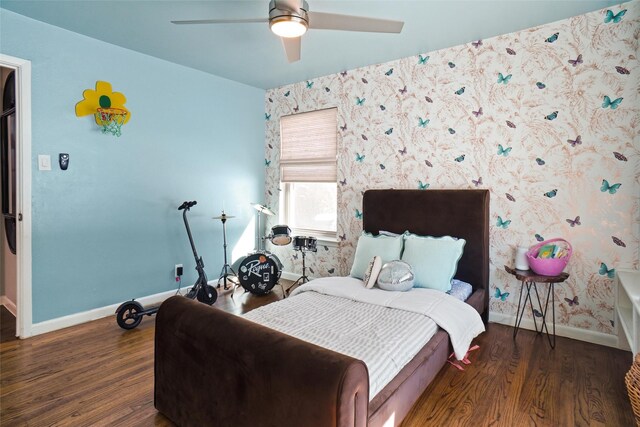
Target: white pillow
x=373, y=270
x=387, y=248
x=434, y=259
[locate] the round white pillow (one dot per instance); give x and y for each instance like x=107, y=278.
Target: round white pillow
x=396, y=276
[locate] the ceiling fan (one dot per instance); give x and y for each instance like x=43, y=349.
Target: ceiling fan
x=290, y=19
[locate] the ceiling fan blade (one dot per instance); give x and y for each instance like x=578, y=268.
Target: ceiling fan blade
x=333, y=21
x=291, y=48
x=220, y=21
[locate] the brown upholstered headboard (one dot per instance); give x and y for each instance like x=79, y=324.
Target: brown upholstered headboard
x=458, y=213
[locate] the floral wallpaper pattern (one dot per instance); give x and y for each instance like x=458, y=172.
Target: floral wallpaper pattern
x=547, y=119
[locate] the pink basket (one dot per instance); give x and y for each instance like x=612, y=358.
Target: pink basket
x=548, y=266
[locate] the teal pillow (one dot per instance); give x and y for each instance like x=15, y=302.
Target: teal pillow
x=386, y=247
x=434, y=259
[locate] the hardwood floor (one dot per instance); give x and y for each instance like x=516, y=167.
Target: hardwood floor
x=99, y=374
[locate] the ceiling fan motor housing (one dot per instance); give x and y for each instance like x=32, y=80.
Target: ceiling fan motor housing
x=291, y=10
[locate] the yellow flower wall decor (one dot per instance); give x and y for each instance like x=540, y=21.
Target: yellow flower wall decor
x=102, y=97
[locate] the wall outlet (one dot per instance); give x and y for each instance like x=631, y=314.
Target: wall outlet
x=178, y=270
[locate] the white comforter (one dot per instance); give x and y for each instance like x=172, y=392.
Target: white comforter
x=353, y=320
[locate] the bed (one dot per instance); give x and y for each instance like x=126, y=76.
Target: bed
x=215, y=368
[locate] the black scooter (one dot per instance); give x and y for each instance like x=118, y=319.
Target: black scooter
x=130, y=313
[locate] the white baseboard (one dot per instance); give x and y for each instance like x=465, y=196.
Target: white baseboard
x=561, y=330
x=9, y=305
x=288, y=275
x=101, y=312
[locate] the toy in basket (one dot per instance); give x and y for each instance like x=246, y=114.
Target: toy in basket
x=549, y=259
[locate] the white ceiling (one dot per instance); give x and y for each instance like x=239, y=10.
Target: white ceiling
x=251, y=54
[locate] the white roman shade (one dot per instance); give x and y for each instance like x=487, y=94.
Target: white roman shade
x=309, y=147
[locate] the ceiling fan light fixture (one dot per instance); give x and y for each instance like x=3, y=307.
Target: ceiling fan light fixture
x=288, y=26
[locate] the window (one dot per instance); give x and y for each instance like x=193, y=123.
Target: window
x=308, y=173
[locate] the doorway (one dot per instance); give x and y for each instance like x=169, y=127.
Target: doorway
x=8, y=197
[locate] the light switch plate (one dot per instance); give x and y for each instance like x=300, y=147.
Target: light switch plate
x=44, y=162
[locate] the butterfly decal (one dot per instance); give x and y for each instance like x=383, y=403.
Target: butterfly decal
x=477, y=182
x=423, y=123
x=295, y=255
x=267, y=116
x=573, y=301
x=343, y=237
x=326, y=248
x=539, y=238
x=403, y=151
x=551, y=194
x=477, y=113
x=503, y=151
x=309, y=84
x=621, y=70
x=452, y=131
x=270, y=100
x=429, y=100
x=360, y=101
x=607, y=102
x=540, y=85
x=552, y=38
x=618, y=242
x=326, y=89
x=364, y=137
x=343, y=73
x=576, y=141
x=551, y=116
x=343, y=182
x=477, y=44
x=365, y=81
x=422, y=186
x=510, y=197
x=539, y=161
x=605, y=271
x=331, y=270
x=574, y=222
x=460, y=91
x=383, y=167
x=610, y=17
x=428, y=163
x=382, y=107
x=296, y=108
x=503, y=223
x=388, y=73
x=537, y=313
x=501, y=295
x=511, y=124
x=270, y=146
x=343, y=128
x=451, y=64
x=270, y=193
x=389, y=131
x=511, y=51
x=311, y=270
x=619, y=156
x=612, y=323
x=459, y=158
x=403, y=90
x=576, y=61
x=287, y=93
x=267, y=163
x=359, y=158
x=422, y=59
x=358, y=214
x=503, y=79
x=612, y=189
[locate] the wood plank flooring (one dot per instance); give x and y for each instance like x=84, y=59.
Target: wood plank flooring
x=98, y=374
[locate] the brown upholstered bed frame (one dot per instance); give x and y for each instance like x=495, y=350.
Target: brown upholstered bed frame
x=214, y=368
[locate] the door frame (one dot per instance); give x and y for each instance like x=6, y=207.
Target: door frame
x=22, y=69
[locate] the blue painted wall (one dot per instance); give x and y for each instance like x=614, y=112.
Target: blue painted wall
x=107, y=229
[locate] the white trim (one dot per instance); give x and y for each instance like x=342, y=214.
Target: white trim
x=8, y=304
x=23, y=228
x=289, y=275
x=99, y=313
x=561, y=330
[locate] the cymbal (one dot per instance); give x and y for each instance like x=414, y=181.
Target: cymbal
x=262, y=208
x=223, y=216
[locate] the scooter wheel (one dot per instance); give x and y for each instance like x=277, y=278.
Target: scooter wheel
x=207, y=294
x=128, y=315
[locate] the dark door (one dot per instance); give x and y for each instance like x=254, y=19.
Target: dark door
x=8, y=160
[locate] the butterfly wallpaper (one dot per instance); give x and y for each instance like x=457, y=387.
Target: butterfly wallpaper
x=547, y=119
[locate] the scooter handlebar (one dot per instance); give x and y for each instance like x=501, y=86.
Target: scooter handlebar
x=187, y=205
